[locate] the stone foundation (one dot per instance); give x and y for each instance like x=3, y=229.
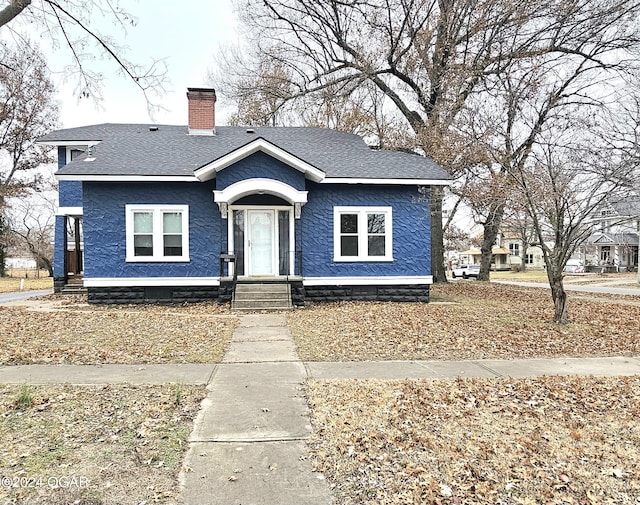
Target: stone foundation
x=380, y=293
x=169, y=294
x=224, y=293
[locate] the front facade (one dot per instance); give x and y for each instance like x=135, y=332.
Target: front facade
x=615, y=239
x=166, y=213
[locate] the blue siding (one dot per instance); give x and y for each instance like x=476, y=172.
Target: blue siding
x=70, y=193
x=260, y=165
x=411, y=230
x=104, y=229
x=59, y=248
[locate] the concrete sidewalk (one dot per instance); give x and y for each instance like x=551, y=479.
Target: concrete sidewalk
x=604, y=288
x=202, y=373
x=248, y=442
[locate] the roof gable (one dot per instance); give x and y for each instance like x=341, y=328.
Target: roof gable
x=210, y=170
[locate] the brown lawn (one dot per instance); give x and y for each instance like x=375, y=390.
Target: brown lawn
x=556, y=440
x=467, y=320
x=97, y=445
x=197, y=333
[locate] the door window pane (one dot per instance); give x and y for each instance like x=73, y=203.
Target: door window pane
x=238, y=240
x=284, y=248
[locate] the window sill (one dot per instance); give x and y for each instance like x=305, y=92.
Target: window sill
x=367, y=259
x=150, y=259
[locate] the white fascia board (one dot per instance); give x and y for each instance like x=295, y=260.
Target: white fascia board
x=369, y=280
x=126, y=178
x=124, y=282
x=404, y=182
x=208, y=171
x=69, y=143
x=69, y=211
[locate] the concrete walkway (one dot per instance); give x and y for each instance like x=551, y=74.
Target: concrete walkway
x=203, y=374
x=248, y=442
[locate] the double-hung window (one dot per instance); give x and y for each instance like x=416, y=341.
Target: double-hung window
x=157, y=232
x=362, y=234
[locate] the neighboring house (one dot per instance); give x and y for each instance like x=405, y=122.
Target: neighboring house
x=533, y=258
x=20, y=262
x=617, y=226
x=176, y=213
x=499, y=258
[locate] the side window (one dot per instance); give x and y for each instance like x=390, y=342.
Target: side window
x=362, y=234
x=157, y=233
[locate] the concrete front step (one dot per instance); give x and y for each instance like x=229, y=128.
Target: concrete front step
x=73, y=290
x=261, y=296
x=255, y=287
x=261, y=304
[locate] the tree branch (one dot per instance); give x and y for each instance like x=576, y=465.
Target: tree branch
x=13, y=10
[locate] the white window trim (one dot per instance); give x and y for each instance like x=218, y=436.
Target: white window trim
x=362, y=233
x=158, y=247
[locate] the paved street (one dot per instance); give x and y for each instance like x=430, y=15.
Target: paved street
x=22, y=295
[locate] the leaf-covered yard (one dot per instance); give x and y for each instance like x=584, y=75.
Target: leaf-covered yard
x=557, y=440
x=467, y=320
x=94, y=444
x=197, y=333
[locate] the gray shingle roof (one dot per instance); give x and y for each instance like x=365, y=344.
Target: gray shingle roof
x=132, y=149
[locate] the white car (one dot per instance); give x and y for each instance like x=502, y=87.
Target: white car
x=466, y=271
x=574, y=267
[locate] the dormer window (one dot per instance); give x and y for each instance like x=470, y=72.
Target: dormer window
x=76, y=153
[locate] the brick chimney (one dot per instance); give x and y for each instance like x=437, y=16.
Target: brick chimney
x=202, y=111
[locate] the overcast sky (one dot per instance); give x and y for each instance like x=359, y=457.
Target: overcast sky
x=186, y=34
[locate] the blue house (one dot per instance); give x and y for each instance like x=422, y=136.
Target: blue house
x=175, y=213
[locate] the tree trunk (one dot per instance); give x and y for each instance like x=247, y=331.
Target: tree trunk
x=3, y=247
x=491, y=229
x=559, y=295
x=523, y=257
x=48, y=264
x=437, y=236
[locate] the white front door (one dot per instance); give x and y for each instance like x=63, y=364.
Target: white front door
x=261, y=242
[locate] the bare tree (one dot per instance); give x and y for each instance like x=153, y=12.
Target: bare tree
x=27, y=111
x=431, y=58
x=32, y=222
x=568, y=176
x=70, y=24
